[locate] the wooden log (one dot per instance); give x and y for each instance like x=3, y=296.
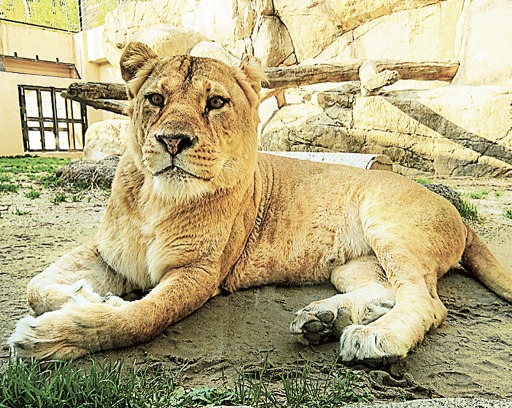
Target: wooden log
x=109, y=105
x=295, y=76
x=97, y=90
x=299, y=75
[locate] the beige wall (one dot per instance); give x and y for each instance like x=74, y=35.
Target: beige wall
x=82, y=49
x=11, y=137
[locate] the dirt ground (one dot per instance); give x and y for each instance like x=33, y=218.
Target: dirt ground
x=470, y=355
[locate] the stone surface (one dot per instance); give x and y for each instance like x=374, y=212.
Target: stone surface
x=224, y=21
x=166, y=40
x=484, y=29
x=353, y=13
x=272, y=42
x=457, y=131
x=422, y=34
x=448, y=130
x=311, y=24
x=134, y=16
x=214, y=50
x=105, y=138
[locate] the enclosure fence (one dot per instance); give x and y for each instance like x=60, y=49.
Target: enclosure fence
x=66, y=15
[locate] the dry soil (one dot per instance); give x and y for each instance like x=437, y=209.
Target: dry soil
x=470, y=355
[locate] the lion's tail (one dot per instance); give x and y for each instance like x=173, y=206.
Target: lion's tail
x=478, y=260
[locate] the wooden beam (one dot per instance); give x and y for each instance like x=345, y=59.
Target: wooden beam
x=109, y=105
x=97, y=90
x=299, y=75
x=288, y=77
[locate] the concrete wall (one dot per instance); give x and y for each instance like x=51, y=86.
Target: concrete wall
x=82, y=49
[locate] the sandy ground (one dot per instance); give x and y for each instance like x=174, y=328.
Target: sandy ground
x=470, y=355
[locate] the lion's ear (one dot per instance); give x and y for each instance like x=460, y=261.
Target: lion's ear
x=254, y=76
x=251, y=67
x=137, y=58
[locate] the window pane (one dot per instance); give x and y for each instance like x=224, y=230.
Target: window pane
x=46, y=102
x=77, y=136
x=49, y=141
x=63, y=140
x=31, y=103
x=77, y=113
x=34, y=140
x=61, y=106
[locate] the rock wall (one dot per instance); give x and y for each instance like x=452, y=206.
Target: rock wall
x=463, y=128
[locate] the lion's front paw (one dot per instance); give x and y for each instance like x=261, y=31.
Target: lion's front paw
x=44, y=337
x=320, y=322
x=361, y=343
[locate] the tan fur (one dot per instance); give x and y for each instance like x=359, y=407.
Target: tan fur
x=217, y=216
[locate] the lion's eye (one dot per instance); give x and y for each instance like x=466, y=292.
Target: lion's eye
x=156, y=99
x=216, y=102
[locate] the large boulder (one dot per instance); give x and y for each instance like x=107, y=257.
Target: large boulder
x=224, y=21
x=311, y=24
x=421, y=34
x=134, y=16
x=214, y=50
x=106, y=138
x=456, y=131
x=484, y=33
x=272, y=42
x=164, y=39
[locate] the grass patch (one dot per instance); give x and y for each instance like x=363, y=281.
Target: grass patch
x=422, y=180
x=58, y=198
x=17, y=211
x=8, y=188
x=30, y=164
x=32, y=194
x=478, y=195
x=498, y=194
x=66, y=385
x=114, y=385
x=48, y=180
x=469, y=211
x=508, y=213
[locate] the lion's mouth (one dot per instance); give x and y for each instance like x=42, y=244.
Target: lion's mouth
x=175, y=170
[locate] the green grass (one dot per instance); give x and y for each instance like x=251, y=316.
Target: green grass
x=422, y=180
x=58, y=198
x=508, y=213
x=32, y=194
x=478, y=195
x=469, y=211
x=30, y=164
x=114, y=385
x=498, y=194
x=8, y=188
x=17, y=211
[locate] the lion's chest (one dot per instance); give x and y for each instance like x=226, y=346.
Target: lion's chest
x=144, y=248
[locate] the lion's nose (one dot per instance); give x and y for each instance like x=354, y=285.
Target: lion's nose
x=175, y=143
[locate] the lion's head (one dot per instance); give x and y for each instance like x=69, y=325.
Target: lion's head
x=193, y=120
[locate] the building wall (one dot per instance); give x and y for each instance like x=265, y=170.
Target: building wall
x=82, y=49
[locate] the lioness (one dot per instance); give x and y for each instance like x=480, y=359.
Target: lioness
x=196, y=211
